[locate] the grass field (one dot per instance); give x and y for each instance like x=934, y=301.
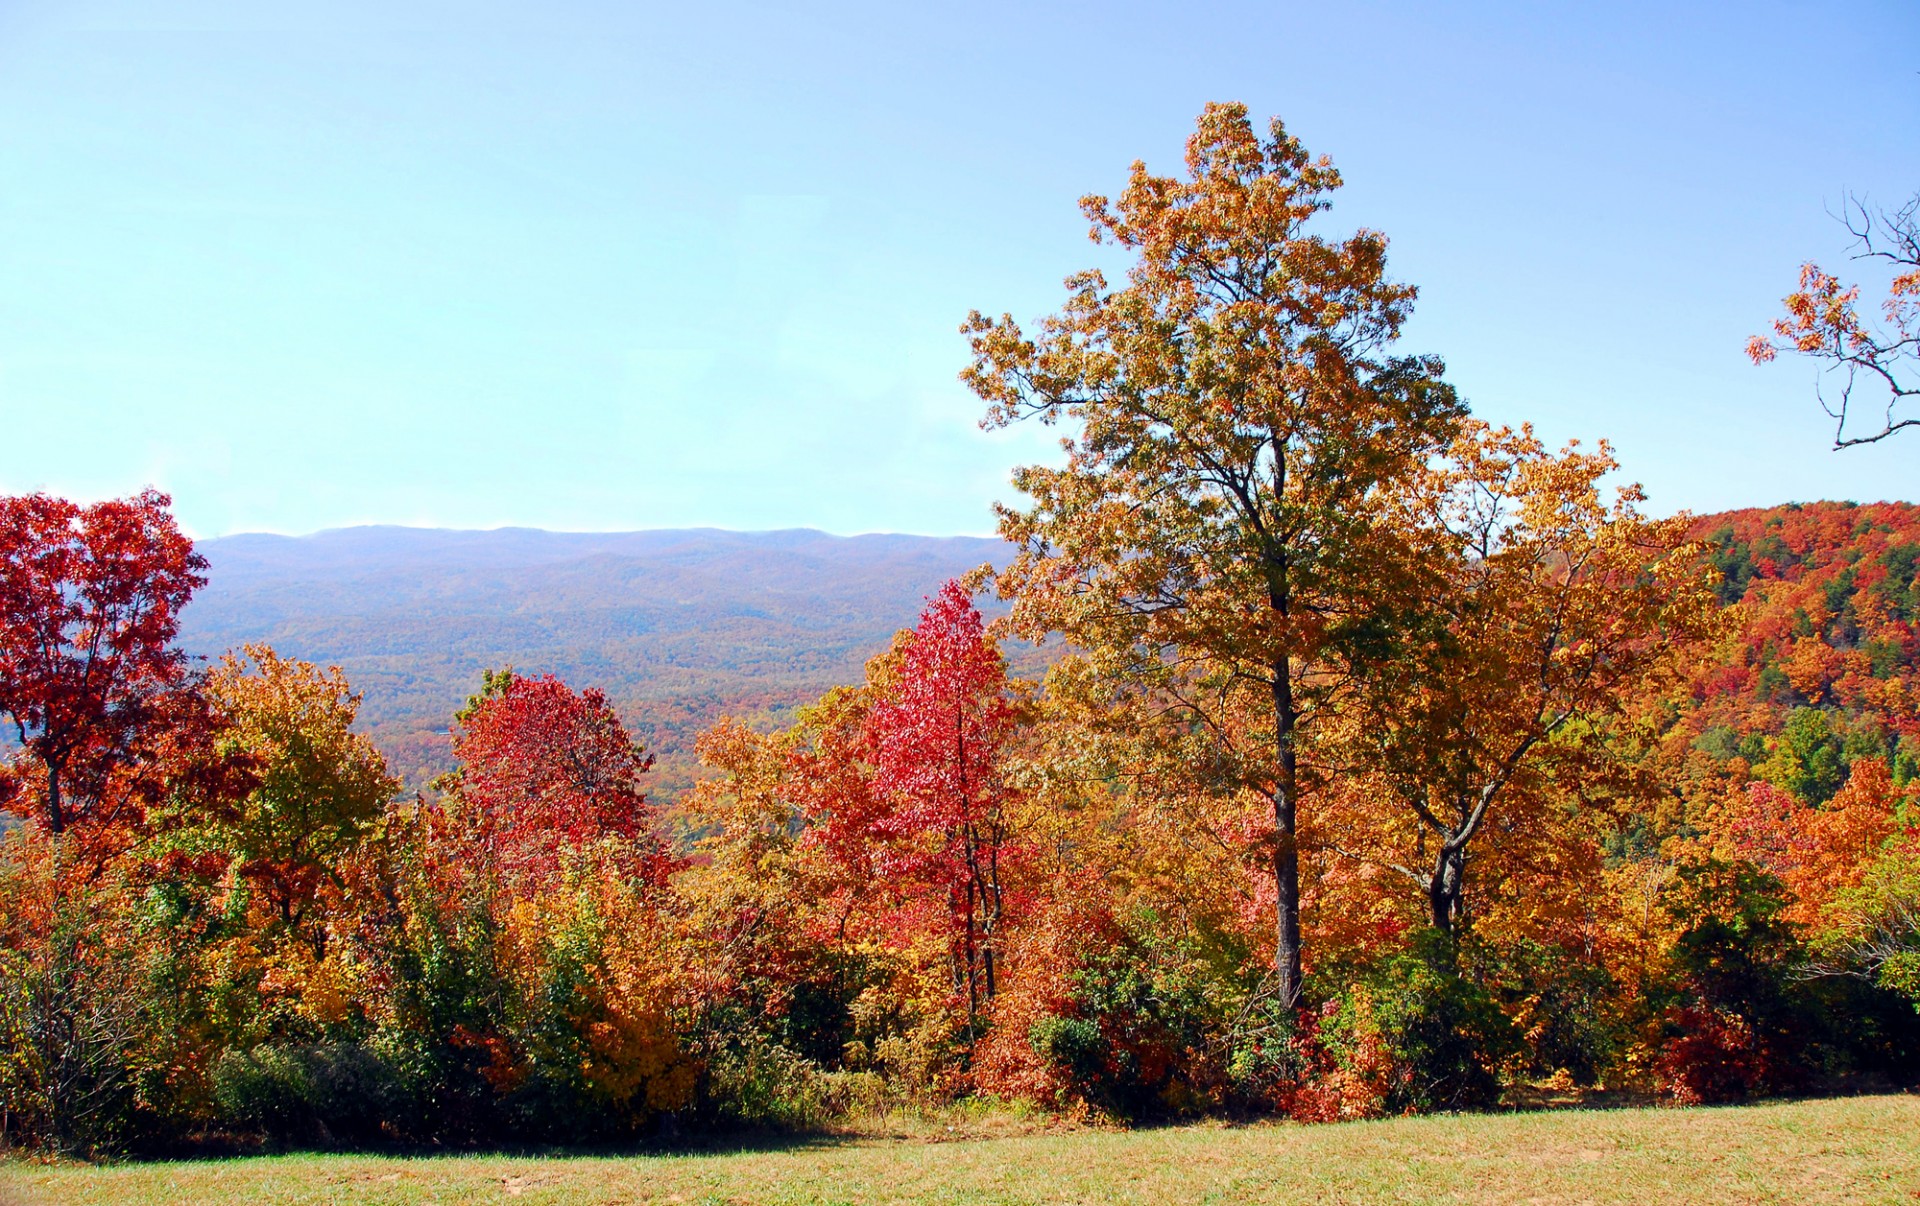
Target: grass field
x=1861, y=1149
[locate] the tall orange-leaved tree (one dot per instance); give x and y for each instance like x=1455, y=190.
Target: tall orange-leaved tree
x=1554, y=608
x=317, y=786
x=1240, y=428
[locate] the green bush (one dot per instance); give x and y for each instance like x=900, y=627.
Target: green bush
x=72, y=1017
x=1161, y=1024
x=327, y=1094
x=1447, y=1035
x=1567, y=1009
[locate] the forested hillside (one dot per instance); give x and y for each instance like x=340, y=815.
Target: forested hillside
x=1817, y=668
x=678, y=627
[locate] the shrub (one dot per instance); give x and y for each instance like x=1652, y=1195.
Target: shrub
x=327, y=1094
x=1341, y=1066
x=70, y=1019
x=1447, y=1035
x=1566, y=1008
x=1713, y=1056
x=1735, y=1018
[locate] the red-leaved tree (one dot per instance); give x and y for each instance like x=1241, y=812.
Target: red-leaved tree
x=545, y=769
x=90, y=600
x=938, y=737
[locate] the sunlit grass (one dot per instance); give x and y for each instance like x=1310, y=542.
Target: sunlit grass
x=1862, y=1149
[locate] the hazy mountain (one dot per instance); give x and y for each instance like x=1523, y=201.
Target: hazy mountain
x=677, y=627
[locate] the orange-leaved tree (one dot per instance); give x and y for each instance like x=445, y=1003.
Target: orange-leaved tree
x=317, y=787
x=1240, y=426
x=1556, y=608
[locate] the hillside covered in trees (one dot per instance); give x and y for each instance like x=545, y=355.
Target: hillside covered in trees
x=1375, y=760
x=1816, y=671
x=678, y=627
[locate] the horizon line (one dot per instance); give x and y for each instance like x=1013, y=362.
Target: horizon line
x=513, y=527
x=516, y=527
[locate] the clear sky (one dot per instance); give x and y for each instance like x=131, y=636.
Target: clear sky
x=626, y=265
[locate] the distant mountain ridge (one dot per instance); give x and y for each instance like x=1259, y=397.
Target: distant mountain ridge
x=678, y=626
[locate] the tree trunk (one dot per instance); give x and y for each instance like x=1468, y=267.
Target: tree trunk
x=1286, y=850
x=56, y=820
x=1443, y=892
x=972, y=965
x=994, y=903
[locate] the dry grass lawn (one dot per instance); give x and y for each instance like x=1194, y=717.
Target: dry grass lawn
x=1861, y=1149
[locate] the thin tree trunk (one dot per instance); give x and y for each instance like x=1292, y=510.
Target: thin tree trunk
x=1286, y=849
x=973, y=962
x=995, y=903
x=56, y=820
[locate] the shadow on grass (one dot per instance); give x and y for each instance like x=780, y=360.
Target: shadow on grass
x=959, y=1126
x=708, y=1139
x=729, y=1142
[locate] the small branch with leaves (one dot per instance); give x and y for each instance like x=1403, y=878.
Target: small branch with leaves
x=1823, y=321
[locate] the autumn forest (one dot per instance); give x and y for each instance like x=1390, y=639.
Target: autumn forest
x=1383, y=761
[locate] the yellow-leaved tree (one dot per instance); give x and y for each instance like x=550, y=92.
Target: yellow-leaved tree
x=318, y=786
x=1552, y=608
x=1224, y=540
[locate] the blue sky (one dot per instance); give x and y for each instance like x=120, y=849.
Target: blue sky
x=619, y=265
